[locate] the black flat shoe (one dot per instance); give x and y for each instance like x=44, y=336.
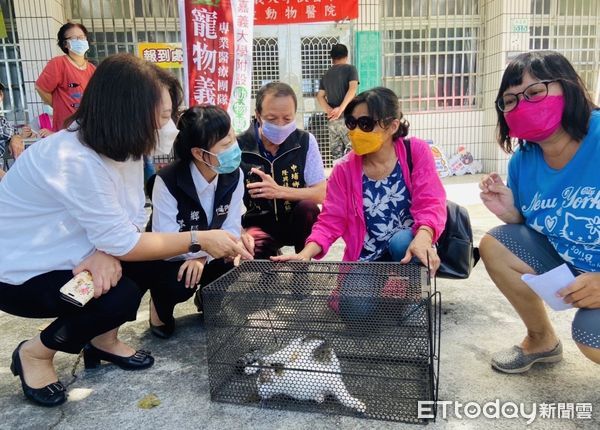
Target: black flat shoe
x=164, y=331
x=138, y=361
x=51, y=395
x=198, y=301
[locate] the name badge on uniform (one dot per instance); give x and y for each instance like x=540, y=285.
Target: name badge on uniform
x=222, y=210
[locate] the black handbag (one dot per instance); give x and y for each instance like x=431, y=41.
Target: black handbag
x=455, y=245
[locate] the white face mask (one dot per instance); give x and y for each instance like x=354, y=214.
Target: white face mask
x=166, y=136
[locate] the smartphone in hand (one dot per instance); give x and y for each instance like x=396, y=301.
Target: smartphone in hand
x=78, y=290
x=253, y=177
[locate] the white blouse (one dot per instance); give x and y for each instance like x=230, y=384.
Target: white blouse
x=60, y=202
x=164, y=211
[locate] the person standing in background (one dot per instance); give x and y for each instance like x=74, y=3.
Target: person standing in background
x=336, y=89
x=64, y=79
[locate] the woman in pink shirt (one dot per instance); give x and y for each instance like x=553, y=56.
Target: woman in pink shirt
x=64, y=79
x=381, y=210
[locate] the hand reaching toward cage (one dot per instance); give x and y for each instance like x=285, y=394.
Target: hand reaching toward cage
x=310, y=250
x=421, y=248
x=247, y=242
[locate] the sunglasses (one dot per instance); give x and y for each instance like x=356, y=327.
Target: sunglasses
x=365, y=123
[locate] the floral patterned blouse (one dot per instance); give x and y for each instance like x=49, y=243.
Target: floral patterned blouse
x=6, y=132
x=386, y=203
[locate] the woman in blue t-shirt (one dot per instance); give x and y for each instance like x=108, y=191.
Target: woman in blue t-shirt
x=551, y=204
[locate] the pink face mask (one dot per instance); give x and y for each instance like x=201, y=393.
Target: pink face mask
x=535, y=122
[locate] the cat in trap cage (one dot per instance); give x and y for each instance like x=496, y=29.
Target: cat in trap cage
x=306, y=369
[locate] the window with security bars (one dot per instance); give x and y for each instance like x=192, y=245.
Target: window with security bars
x=424, y=8
x=119, y=9
x=11, y=71
x=119, y=25
x=569, y=27
x=315, y=59
x=431, y=53
x=316, y=123
x=265, y=62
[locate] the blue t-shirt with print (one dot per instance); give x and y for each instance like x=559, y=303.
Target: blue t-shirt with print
x=386, y=204
x=564, y=204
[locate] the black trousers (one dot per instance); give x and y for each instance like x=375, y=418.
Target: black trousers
x=39, y=297
x=269, y=236
x=167, y=292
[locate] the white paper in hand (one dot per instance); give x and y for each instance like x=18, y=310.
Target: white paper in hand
x=548, y=284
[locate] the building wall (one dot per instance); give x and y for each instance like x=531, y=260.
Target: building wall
x=37, y=22
x=444, y=58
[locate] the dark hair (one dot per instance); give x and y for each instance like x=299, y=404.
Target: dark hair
x=338, y=51
x=382, y=104
x=175, y=91
x=548, y=65
x=200, y=127
x=2, y=87
x=61, y=36
x=278, y=89
x=118, y=112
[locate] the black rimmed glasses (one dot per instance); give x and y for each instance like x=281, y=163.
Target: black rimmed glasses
x=365, y=123
x=534, y=93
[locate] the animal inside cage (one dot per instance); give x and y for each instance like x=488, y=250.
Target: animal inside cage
x=359, y=339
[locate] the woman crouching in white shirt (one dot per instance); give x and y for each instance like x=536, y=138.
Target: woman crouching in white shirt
x=201, y=190
x=76, y=203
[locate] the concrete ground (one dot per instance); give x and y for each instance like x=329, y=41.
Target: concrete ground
x=476, y=321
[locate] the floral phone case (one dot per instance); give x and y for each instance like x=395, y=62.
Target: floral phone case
x=78, y=290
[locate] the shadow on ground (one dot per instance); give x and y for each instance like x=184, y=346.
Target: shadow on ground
x=476, y=320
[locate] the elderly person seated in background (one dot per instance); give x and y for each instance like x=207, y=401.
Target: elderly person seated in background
x=10, y=142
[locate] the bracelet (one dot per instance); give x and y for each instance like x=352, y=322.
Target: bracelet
x=426, y=229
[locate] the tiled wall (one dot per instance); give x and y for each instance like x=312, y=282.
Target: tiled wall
x=38, y=22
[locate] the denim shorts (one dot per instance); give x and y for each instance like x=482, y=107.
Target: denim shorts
x=535, y=250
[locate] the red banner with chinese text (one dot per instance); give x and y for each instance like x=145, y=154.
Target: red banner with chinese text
x=217, y=44
x=269, y=12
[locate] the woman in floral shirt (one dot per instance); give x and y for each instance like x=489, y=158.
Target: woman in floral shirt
x=381, y=210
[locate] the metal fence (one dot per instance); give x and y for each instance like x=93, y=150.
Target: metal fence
x=435, y=55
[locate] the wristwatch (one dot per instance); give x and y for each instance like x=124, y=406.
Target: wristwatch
x=195, y=245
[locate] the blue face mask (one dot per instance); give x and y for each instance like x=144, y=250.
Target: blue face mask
x=229, y=160
x=276, y=134
x=79, y=47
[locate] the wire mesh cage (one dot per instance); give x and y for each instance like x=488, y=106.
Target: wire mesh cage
x=359, y=339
